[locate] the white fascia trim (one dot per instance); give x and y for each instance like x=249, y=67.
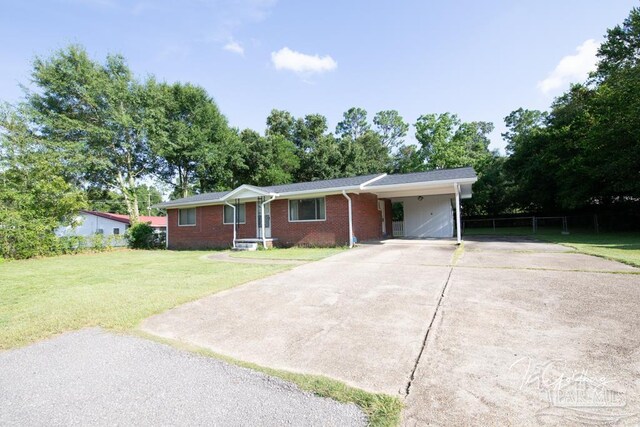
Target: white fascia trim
x=193, y=204
x=411, y=185
x=364, y=184
x=320, y=191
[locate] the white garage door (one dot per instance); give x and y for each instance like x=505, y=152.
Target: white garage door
x=430, y=217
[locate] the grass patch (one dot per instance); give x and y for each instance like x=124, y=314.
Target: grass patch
x=295, y=253
x=457, y=254
x=114, y=290
x=623, y=247
x=381, y=409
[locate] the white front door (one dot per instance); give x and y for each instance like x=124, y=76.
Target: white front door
x=267, y=220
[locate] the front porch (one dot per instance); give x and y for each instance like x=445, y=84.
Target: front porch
x=252, y=244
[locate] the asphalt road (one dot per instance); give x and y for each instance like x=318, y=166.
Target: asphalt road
x=92, y=377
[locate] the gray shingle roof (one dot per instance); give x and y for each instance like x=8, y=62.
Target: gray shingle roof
x=354, y=181
x=434, y=175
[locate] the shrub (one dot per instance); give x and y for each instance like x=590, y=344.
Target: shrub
x=23, y=238
x=141, y=236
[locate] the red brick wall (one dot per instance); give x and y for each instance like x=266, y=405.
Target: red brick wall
x=209, y=231
x=334, y=230
x=367, y=219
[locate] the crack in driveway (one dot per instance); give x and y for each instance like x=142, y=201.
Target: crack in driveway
x=426, y=335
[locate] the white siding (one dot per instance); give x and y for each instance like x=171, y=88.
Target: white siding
x=89, y=225
x=430, y=217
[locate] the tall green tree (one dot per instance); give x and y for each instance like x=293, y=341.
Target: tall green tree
x=354, y=124
x=103, y=111
x=584, y=153
x=36, y=196
x=391, y=128
x=193, y=141
x=361, y=148
x=318, y=151
x=447, y=142
x=269, y=160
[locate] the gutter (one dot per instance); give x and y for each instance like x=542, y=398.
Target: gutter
x=344, y=193
x=410, y=185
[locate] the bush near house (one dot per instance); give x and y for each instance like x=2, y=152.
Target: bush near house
x=142, y=236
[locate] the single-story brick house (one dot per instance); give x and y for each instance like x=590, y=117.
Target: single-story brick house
x=321, y=213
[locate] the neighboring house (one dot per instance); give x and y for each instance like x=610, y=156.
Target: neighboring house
x=108, y=224
x=321, y=213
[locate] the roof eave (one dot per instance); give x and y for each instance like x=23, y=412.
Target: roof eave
x=408, y=185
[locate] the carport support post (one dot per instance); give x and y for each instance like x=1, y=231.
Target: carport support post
x=458, y=231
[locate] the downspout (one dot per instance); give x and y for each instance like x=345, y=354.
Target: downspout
x=264, y=236
x=166, y=233
x=234, y=222
x=344, y=193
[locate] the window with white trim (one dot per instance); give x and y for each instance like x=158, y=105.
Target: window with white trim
x=187, y=216
x=116, y=231
x=240, y=214
x=307, y=209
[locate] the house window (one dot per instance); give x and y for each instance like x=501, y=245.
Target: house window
x=307, y=209
x=187, y=216
x=116, y=231
x=240, y=214
x=99, y=231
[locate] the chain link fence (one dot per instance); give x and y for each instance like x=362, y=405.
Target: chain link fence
x=535, y=224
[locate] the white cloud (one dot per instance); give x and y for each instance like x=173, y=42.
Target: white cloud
x=572, y=68
x=287, y=59
x=235, y=47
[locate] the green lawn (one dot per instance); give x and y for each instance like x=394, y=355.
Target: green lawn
x=300, y=254
x=623, y=247
x=116, y=290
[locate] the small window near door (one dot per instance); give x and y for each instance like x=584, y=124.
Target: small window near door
x=307, y=209
x=187, y=216
x=240, y=214
x=116, y=231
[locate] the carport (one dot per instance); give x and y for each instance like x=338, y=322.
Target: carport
x=428, y=205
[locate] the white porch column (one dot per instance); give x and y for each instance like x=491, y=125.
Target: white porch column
x=458, y=231
x=264, y=236
x=234, y=222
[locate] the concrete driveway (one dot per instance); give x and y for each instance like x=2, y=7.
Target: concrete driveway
x=509, y=335
x=358, y=316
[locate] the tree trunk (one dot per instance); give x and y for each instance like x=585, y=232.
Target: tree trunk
x=128, y=189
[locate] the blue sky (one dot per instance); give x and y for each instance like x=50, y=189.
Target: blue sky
x=478, y=59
